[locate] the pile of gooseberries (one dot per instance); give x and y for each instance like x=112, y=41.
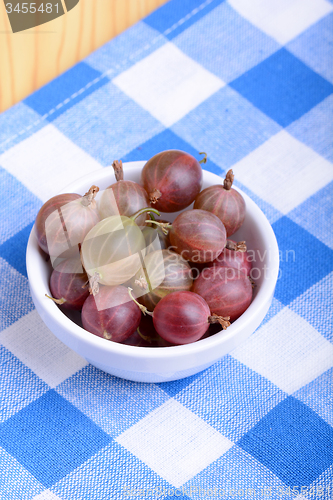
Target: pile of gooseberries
x=138, y=279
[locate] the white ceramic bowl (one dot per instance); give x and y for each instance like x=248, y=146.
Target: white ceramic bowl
x=163, y=364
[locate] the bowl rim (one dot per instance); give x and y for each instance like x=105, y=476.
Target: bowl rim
x=207, y=344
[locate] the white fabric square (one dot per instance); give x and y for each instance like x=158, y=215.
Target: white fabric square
x=287, y=350
x=283, y=20
x=296, y=172
x=168, y=84
x=46, y=495
x=47, y=162
x=174, y=442
x=31, y=342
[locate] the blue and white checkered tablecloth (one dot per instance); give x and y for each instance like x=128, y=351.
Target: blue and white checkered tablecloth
x=251, y=83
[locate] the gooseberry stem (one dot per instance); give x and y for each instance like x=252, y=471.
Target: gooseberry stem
x=57, y=301
x=165, y=226
x=144, y=337
x=224, y=321
x=144, y=210
x=142, y=308
x=203, y=160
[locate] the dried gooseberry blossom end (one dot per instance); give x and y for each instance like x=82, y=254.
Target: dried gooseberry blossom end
x=155, y=195
x=89, y=197
x=223, y=320
x=229, y=179
x=118, y=170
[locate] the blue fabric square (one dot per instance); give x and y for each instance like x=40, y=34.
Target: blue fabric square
x=125, y=49
x=318, y=395
x=119, y=403
x=300, y=268
x=17, y=392
x=314, y=47
x=14, y=249
x=317, y=208
x=18, y=123
x=91, y=124
x=168, y=140
x=80, y=80
x=292, y=441
x=236, y=46
x=50, y=437
x=212, y=397
x=15, y=298
x=226, y=126
x=315, y=128
x=283, y=87
x=20, y=209
x=174, y=16
x=111, y=474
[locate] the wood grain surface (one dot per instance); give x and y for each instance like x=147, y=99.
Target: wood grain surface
x=31, y=58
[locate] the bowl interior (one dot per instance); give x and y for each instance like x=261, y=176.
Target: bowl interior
x=260, y=240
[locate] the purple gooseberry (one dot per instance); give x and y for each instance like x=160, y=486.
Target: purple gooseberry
x=225, y=202
x=197, y=235
x=184, y=317
x=228, y=292
x=172, y=180
x=68, y=284
x=123, y=197
x=111, y=314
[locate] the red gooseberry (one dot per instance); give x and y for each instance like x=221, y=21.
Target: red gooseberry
x=111, y=314
x=184, y=317
x=226, y=291
x=225, y=202
x=124, y=197
x=172, y=180
x=197, y=235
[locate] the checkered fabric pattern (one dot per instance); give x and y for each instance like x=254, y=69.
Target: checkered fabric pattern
x=251, y=83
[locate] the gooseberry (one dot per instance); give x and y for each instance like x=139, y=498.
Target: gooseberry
x=63, y=222
x=68, y=284
x=123, y=197
x=226, y=291
x=110, y=314
x=113, y=249
x=184, y=317
x=234, y=256
x=164, y=273
x=225, y=202
x=197, y=235
x=172, y=180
